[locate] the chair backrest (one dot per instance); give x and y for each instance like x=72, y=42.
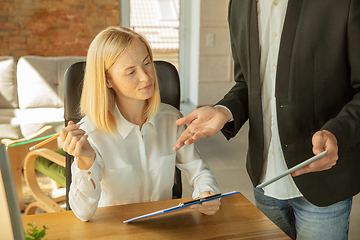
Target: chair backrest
x=169, y=85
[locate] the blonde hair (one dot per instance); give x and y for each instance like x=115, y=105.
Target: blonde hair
x=97, y=101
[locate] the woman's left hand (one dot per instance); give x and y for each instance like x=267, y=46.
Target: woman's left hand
x=207, y=208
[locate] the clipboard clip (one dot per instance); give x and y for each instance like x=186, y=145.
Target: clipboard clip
x=200, y=200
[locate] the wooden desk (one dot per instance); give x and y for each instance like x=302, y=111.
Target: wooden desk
x=236, y=219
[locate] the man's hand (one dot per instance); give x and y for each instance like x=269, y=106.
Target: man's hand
x=204, y=122
x=207, y=208
x=322, y=140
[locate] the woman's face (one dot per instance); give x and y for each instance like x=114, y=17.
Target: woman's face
x=132, y=76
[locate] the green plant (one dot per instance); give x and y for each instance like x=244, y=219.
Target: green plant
x=34, y=233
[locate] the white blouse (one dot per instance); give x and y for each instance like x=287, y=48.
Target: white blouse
x=136, y=165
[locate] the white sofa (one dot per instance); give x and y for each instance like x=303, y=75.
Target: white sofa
x=32, y=93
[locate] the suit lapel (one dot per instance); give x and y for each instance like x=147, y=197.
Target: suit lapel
x=256, y=134
x=286, y=49
x=254, y=51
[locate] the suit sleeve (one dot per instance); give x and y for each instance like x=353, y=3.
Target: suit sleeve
x=346, y=126
x=236, y=100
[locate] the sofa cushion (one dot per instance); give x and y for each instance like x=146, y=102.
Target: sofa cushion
x=28, y=121
x=33, y=115
x=11, y=131
x=8, y=93
x=41, y=80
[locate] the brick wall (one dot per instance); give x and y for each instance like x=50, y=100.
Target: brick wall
x=53, y=27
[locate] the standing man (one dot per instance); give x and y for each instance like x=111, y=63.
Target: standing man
x=297, y=74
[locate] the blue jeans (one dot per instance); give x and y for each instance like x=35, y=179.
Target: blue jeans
x=301, y=220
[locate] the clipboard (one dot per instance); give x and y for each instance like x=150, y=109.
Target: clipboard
x=183, y=205
x=293, y=169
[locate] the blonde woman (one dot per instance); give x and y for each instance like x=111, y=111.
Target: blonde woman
x=123, y=148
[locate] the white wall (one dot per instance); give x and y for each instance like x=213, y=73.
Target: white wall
x=206, y=63
x=194, y=53
x=215, y=59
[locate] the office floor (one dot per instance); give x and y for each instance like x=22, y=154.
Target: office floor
x=227, y=161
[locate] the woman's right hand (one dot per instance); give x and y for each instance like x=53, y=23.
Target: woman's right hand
x=74, y=142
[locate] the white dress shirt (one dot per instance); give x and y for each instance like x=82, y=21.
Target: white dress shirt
x=136, y=165
x=271, y=16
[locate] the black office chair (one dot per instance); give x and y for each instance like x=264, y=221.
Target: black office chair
x=169, y=85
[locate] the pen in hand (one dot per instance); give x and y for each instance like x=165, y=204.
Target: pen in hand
x=46, y=141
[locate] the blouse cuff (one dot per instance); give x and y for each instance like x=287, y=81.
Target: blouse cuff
x=82, y=178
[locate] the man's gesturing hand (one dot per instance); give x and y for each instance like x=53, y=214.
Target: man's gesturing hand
x=204, y=122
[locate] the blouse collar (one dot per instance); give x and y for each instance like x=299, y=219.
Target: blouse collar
x=125, y=127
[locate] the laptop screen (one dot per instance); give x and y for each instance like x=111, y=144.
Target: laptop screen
x=10, y=220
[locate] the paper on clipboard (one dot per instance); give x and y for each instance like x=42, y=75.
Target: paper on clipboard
x=182, y=205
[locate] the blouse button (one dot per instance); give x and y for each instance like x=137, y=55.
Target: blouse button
x=275, y=4
x=89, y=172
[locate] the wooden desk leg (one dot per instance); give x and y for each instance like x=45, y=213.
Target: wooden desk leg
x=17, y=172
x=16, y=157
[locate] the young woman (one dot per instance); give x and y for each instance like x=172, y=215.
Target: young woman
x=123, y=148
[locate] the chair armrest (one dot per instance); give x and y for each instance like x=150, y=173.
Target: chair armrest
x=48, y=204
x=48, y=154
